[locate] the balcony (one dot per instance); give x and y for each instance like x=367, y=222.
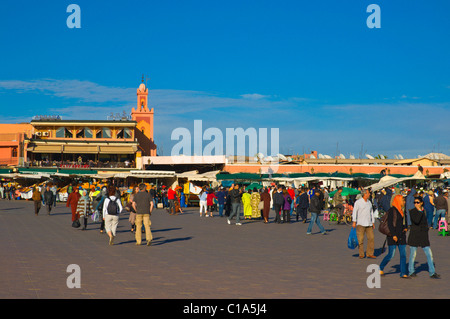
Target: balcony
x=82, y=165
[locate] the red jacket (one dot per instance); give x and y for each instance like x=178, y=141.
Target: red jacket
x=209, y=199
x=292, y=193
x=171, y=194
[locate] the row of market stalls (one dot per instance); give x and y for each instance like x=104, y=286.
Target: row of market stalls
x=191, y=182
x=23, y=181
x=333, y=180
x=417, y=178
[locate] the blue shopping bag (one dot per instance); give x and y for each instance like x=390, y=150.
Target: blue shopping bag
x=352, y=242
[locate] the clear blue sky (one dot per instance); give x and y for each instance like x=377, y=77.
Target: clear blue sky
x=313, y=69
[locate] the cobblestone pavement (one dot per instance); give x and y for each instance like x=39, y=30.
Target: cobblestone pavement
x=194, y=257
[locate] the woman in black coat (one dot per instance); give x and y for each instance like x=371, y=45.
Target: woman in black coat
x=397, y=227
x=418, y=237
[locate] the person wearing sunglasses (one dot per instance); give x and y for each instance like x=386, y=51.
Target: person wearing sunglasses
x=418, y=237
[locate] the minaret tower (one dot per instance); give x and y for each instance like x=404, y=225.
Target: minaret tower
x=144, y=118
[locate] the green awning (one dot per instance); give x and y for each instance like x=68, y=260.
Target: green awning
x=346, y=191
x=254, y=185
x=297, y=175
x=238, y=176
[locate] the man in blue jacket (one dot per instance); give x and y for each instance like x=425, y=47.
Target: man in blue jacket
x=386, y=199
x=221, y=199
x=410, y=204
x=302, y=205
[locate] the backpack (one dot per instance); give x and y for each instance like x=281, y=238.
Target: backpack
x=113, y=207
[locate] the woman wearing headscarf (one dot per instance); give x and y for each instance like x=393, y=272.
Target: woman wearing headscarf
x=396, y=222
x=84, y=207
x=286, y=207
x=255, y=199
x=246, y=203
x=265, y=198
x=72, y=202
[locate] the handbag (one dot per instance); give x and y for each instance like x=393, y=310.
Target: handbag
x=76, y=224
x=352, y=241
x=261, y=205
x=95, y=216
x=383, y=227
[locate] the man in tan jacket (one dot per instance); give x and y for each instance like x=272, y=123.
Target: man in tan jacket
x=37, y=200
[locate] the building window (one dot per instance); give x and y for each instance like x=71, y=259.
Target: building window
x=84, y=133
x=67, y=133
x=88, y=132
x=60, y=132
x=80, y=133
x=124, y=133
x=104, y=132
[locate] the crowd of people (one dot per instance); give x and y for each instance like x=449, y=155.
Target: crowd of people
x=9, y=191
x=107, y=204
x=412, y=212
x=102, y=205
x=285, y=201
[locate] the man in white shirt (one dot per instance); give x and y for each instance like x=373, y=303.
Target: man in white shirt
x=364, y=222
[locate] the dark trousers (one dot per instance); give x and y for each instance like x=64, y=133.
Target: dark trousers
x=286, y=215
x=37, y=206
x=277, y=209
x=302, y=212
x=85, y=220
x=49, y=208
x=172, y=206
x=235, y=211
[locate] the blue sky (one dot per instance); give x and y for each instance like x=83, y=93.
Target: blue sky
x=313, y=69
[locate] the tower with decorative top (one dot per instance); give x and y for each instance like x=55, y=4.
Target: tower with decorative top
x=144, y=118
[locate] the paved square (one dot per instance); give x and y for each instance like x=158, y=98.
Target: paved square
x=197, y=258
